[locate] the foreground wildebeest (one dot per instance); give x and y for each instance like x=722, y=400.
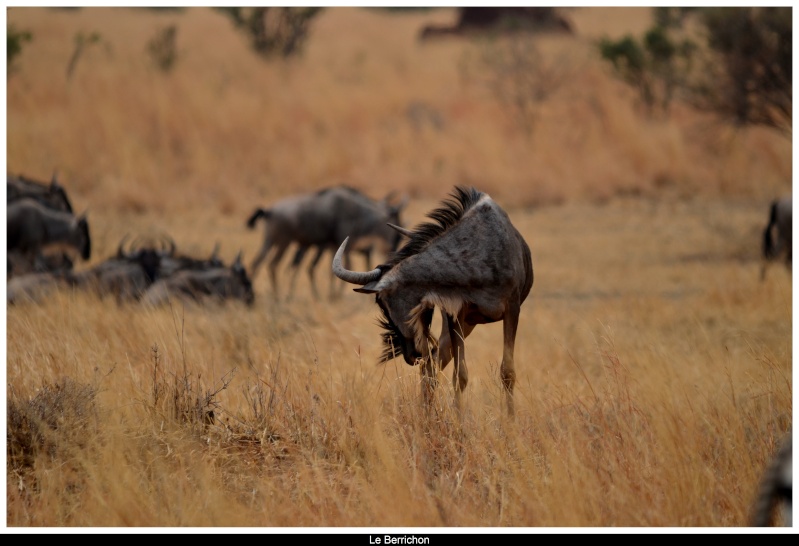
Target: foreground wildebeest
x=31, y=227
x=778, y=234
x=473, y=265
x=52, y=195
x=774, y=497
x=321, y=220
x=217, y=283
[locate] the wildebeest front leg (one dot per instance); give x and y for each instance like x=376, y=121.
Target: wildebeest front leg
x=507, y=370
x=455, y=349
x=429, y=362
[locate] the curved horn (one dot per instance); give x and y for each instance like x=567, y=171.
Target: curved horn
x=121, y=250
x=352, y=277
x=168, y=246
x=401, y=230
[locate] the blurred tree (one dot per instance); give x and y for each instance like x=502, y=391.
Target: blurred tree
x=14, y=40
x=748, y=76
x=163, y=48
x=656, y=66
x=742, y=71
x=273, y=30
x=82, y=41
x=518, y=76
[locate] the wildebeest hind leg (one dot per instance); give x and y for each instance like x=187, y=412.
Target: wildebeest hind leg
x=507, y=369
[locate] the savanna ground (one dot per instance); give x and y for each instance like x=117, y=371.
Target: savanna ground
x=654, y=366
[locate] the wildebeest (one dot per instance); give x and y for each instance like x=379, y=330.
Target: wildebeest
x=52, y=195
x=52, y=260
x=473, y=265
x=31, y=227
x=321, y=220
x=774, y=504
x=217, y=283
x=125, y=276
x=32, y=287
x=778, y=234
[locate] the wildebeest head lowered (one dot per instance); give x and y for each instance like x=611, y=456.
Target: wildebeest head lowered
x=473, y=265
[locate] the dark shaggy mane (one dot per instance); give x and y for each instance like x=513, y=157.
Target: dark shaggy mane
x=447, y=215
x=392, y=337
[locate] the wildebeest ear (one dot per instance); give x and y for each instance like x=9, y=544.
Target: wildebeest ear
x=370, y=288
x=237, y=262
x=402, y=204
x=54, y=181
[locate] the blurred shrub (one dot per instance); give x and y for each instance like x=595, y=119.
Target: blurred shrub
x=273, y=30
x=162, y=48
x=14, y=41
x=740, y=67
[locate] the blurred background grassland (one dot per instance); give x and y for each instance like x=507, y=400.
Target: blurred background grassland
x=366, y=103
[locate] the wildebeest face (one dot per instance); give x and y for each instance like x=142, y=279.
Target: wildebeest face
x=404, y=330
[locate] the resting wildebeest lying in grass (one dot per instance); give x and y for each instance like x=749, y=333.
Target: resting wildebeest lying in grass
x=131, y=271
x=32, y=227
x=473, y=265
x=52, y=195
x=778, y=234
x=321, y=220
x=216, y=284
x=32, y=287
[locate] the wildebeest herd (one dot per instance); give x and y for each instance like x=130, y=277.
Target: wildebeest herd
x=469, y=262
x=45, y=238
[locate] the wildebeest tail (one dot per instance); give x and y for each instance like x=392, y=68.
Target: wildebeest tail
x=768, y=239
x=259, y=213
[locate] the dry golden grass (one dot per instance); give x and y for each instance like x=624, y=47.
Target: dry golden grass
x=654, y=368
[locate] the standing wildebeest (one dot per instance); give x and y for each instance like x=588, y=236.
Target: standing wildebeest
x=473, y=265
x=776, y=489
x=32, y=226
x=778, y=236
x=52, y=195
x=217, y=283
x=322, y=220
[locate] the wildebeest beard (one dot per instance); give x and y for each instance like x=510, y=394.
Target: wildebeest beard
x=396, y=344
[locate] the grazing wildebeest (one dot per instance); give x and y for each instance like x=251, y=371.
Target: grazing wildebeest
x=217, y=283
x=321, y=220
x=33, y=226
x=52, y=195
x=473, y=265
x=774, y=496
x=778, y=234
